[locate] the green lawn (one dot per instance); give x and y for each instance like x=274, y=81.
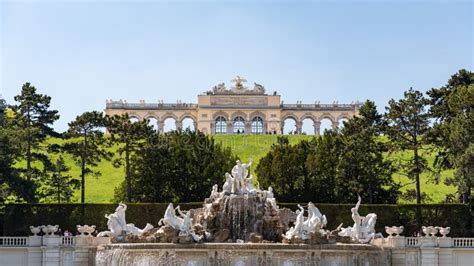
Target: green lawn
x=100, y=189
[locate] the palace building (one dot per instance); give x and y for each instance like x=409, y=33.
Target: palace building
x=236, y=110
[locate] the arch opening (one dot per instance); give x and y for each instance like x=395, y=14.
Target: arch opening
x=239, y=125
x=169, y=124
x=153, y=122
x=220, y=125
x=307, y=126
x=326, y=124
x=188, y=123
x=289, y=126
x=257, y=125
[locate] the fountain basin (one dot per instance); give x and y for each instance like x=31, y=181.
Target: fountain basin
x=241, y=254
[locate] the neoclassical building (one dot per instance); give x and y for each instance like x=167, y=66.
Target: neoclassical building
x=237, y=109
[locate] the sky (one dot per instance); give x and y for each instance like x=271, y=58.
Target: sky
x=84, y=52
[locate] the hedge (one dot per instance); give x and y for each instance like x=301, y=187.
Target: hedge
x=15, y=219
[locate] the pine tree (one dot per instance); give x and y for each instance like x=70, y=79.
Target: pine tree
x=408, y=124
x=58, y=186
x=86, y=144
x=130, y=136
x=33, y=120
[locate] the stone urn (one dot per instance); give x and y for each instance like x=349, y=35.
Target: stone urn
x=389, y=230
x=433, y=231
x=426, y=230
x=35, y=230
x=444, y=230
x=50, y=229
x=86, y=230
x=398, y=230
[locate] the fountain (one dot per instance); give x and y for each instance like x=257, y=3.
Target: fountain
x=241, y=225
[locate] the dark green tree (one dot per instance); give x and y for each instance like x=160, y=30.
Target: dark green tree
x=284, y=169
x=33, y=120
x=408, y=124
x=362, y=169
x=322, y=166
x=58, y=186
x=453, y=129
x=130, y=136
x=12, y=186
x=179, y=166
x=87, y=144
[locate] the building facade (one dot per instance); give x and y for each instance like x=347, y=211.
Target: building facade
x=237, y=109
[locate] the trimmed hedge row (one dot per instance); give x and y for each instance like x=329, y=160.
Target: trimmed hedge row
x=15, y=219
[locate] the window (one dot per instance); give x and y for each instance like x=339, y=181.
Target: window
x=257, y=125
x=221, y=125
x=239, y=125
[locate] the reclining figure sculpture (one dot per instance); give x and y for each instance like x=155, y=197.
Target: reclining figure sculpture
x=302, y=228
x=118, y=226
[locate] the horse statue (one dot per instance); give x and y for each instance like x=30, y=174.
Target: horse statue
x=118, y=226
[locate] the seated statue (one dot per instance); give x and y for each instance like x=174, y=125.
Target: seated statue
x=363, y=229
x=118, y=226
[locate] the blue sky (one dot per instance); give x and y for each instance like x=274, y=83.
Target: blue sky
x=85, y=52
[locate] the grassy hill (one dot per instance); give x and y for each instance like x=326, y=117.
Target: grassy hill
x=100, y=189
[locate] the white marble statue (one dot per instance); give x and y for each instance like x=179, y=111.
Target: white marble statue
x=303, y=227
x=215, y=192
x=183, y=222
x=170, y=218
x=118, y=226
x=238, y=178
x=363, y=229
x=271, y=198
x=229, y=184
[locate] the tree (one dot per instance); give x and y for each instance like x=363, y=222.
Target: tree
x=453, y=129
x=362, y=169
x=408, y=123
x=33, y=120
x=283, y=168
x=131, y=136
x=179, y=166
x=86, y=144
x=12, y=186
x=322, y=166
x=58, y=186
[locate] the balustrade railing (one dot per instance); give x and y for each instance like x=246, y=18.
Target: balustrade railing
x=13, y=241
x=68, y=240
x=412, y=241
x=124, y=105
x=463, y=242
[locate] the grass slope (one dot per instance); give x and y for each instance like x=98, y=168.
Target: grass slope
x=100, y=189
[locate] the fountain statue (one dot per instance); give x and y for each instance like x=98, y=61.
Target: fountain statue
x=118, y=227
x=363, y=229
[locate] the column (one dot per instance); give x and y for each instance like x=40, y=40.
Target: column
x=179, y=125
x=248, y=127
x=335, y=125
x=161, y=126
x=230, y=128
x=195, y=124
x=317, y=128
x=299, y=127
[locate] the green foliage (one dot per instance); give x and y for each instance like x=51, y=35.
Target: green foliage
x=408, y=123
x=18, y=217
x=130, y=136
x=178, y=167
x=87, y=144
x=362, y=168
x=13, y=188
x=32, y=125
x=57, y=185
x=335, y=167
x=453, y=130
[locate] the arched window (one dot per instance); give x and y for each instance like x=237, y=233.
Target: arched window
x=239, y=124
x=221, y=125
x=257, y=125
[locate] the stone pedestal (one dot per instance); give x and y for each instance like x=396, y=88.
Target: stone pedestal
x=51, y=240
x=34, y=241
x=444, y=242
x=397, y=241
x=428, y=241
